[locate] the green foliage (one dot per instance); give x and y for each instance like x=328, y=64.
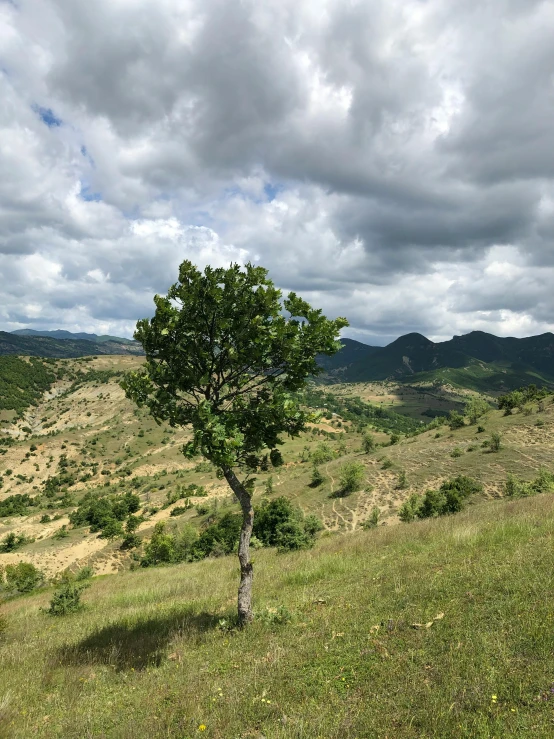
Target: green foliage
x=495, y=442
x=351, y=477
x=359, y=412
x=22, y=383
x=17, y=505
x=13, y=541
x=475, y=408
x=455, y=420
x=387, y=464
x=409, y=509
x=278, y=523
x=518, y=398
x=368, y=442
x=450, y=498
x=61, y=533
x=516, y=488
x=105, y=512
x=317, y=478
x=373, y=520
x=22, y=577
x=67, y=597
x=84, y=573
x=394, y=439
x=402, y=481
x=322, y=453
x=456, y=452
x=222, y=358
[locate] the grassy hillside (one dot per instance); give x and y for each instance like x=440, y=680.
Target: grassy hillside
x=433, y=629
x=85, y=437
x=349, y=640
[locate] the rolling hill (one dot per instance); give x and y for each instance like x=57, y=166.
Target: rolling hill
x=477, y=360
x=47, y=346
x=60, y=334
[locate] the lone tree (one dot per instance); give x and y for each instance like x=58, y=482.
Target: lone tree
x=223, y=359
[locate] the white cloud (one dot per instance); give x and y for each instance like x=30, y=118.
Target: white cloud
x=391, y=161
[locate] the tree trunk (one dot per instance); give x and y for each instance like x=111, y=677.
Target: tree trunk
x=246, y=569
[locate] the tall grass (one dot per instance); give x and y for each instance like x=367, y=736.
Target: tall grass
x=367, y=652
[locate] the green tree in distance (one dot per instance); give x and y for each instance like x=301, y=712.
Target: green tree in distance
x=223, y=359
x=475, y=408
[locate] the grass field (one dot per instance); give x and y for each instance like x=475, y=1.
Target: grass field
x=334, y=651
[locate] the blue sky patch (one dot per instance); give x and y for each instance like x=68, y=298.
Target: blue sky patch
x=88, y=195
x=47, y=116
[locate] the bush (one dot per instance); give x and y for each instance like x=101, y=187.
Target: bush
x=515, y=488
x=450, y=498
x=279, y=523
x=61, y=533
x=410, y=508
x=23, y=577
x=12, y=541
x=387, y=464
x=351, y=476
x=402, y=482
x=67, y=597
x=179, y=510
x=322, y=453
x=318, y=478
x=394, y=439
x=85, y=573
x=495, y=442
x=455, y=421
x=368, y=443
x=373, y=519
x=456, y=452
x=475, y=408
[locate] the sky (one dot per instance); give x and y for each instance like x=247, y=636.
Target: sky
x=392, y=161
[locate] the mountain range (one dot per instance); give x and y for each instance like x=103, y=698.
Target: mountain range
x=64, y=344
x=476, y=360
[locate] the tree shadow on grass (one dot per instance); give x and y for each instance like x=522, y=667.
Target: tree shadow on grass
x=137, y=643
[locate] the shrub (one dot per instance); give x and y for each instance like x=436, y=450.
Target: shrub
x=368, y=443
x=85, y=573
x=23, y=577
x=318, y=478
x=161, y=547
x=351, y=475
x=480, y=429
x=12, y=541
x=394, y=439
x=455, y=421
x=291, y=535
x=515, y=488
x=67, y=597
x=130, y=541
x=61, y=533
x=456, y=452
x=322, y=453
x=279, y=523
x=410, y=508
x=402, y=482
x=495, y=442
x=387, y=464
x=475, y=408
x=179, y=510
x=373, y=519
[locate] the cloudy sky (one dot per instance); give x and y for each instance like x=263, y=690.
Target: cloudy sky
x=391, y=160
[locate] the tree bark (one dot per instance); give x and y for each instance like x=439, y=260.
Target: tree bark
x=246, y=570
